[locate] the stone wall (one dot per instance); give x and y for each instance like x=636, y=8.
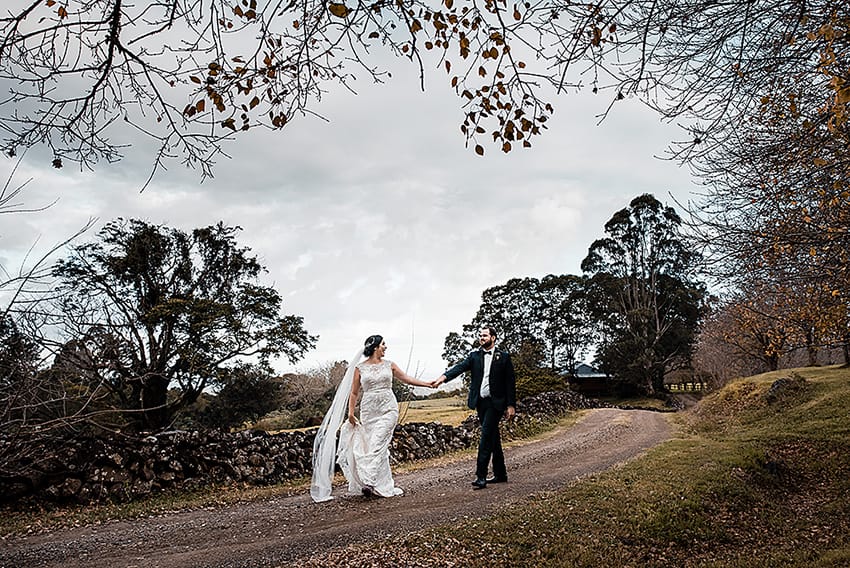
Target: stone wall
x=86, y=470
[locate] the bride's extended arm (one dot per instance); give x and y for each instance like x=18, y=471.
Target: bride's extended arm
x=352, y=398
x=405, y=378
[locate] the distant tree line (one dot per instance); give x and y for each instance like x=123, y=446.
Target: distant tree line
x=642, y=307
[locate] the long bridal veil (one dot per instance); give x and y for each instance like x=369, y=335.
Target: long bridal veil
x=324, y=446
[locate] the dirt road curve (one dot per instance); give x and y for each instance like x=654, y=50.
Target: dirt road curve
x=280, y=530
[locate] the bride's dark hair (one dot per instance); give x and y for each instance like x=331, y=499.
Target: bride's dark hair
x=372, y=343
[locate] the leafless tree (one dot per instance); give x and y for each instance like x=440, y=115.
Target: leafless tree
x=306, y=387
x=193, y=73
x=25, y=288
x=35, y=404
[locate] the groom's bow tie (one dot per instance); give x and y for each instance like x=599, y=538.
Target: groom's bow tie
x=487, y=352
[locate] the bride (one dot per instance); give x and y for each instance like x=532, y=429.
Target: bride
x=363, y=451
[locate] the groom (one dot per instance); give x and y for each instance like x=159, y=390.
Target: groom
x=492, y=393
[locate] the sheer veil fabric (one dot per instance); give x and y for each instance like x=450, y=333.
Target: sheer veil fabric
x=325, y=445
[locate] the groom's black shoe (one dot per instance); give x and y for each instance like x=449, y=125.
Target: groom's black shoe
x=498, y=479
x=479, y=483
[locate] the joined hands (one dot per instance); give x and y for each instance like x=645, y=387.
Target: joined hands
x=437, y=382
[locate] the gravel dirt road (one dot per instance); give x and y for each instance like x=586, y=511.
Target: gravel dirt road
x=281, y=530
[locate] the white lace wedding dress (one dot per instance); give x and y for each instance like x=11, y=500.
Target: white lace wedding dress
x=364, y=449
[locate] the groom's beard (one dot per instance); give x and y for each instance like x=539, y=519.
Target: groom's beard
x=488, y=345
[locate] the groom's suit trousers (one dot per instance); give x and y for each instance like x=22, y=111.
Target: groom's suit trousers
x=490, y=444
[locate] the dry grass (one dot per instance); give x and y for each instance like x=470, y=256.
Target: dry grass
x=451, y=411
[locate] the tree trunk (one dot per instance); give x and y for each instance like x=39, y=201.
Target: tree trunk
x=772, y=362
x=811, y=349
x=155, y=411
x=658, y=381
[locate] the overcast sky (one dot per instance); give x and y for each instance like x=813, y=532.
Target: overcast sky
x=380, y=220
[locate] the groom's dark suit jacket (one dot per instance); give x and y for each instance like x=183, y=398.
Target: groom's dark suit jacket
x=502, y=378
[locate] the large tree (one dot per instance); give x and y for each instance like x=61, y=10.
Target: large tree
x=191, y=73
x=148, y=309
x=515, y=309
x=648, y=301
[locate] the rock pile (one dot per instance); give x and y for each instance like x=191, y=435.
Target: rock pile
x=785, y=387
x=123, y=468
x=556, y=403
x=416, y=440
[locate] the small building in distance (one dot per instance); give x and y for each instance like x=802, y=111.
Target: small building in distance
x=589, y=381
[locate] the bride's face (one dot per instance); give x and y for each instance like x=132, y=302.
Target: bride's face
x=381, y=349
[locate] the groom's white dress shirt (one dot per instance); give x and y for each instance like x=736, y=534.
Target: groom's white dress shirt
x=485, y=381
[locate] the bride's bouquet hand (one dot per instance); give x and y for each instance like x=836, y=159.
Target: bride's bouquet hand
x=352, y=419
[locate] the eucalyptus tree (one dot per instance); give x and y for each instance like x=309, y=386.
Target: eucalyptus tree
x=646, y=298
x=516, y=310
x=456, y=345
x=154, y=315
